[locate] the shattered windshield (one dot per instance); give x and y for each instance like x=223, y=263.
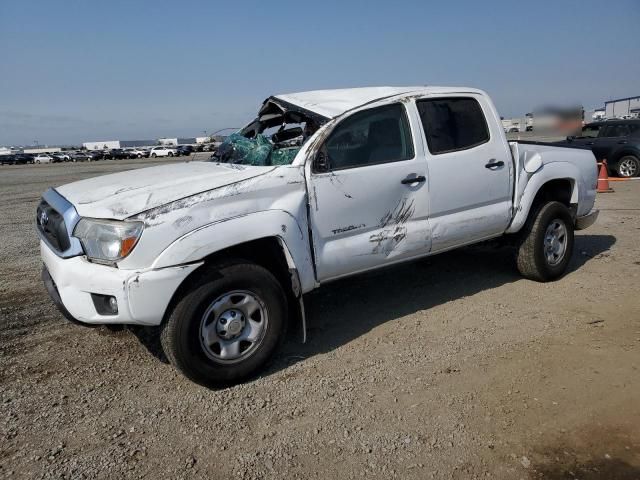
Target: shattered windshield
x=272, y=139
x=257, y=151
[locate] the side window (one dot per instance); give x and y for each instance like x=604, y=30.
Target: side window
x=590, y=131
x=616, y=131
x=452, y=124
x=378, y=135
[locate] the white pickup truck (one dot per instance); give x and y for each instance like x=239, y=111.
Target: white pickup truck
x=219, y=254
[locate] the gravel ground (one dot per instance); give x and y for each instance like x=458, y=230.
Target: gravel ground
x=453, y=367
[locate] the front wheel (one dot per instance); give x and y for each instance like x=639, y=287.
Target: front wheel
x=227, y=325
x=546, y=243
x=170, y=154
x=153, y=155
x=628, y=166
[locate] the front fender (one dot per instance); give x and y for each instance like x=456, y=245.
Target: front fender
x=217, y=236
x=582, y=193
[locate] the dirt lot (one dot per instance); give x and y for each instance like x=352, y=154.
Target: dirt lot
x=453, y=367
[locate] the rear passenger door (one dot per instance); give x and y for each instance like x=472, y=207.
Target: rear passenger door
x=469, y=170
x=613, y=137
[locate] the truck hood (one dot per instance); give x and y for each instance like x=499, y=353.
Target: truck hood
x=121, y=195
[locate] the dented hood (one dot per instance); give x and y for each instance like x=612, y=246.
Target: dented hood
x=121, y=195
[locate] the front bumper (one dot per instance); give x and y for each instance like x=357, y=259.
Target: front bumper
x=142, y=295
x=587, y=220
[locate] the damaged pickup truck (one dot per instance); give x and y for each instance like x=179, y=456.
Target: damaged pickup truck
x=320, y=186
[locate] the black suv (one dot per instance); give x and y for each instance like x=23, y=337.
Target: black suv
x=16, y=159
x=118, y=154
x=617, y=141
x=184, y=150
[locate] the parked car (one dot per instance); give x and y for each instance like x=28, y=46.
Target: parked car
x=118, y=154
x=163, y=151
x=43, y=158
x=96, y=155
x=230, y=247
x=184, y=150
x=24, y=158
x=82, y=156
x=8, y=159
x=617, y=141
x=135, y=153
x=16, y=159
x=60, y=157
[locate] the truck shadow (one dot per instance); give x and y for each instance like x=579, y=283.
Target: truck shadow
x=346, y=309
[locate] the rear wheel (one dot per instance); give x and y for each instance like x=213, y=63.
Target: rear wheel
x=546, y=243
x=628, y=166
x=227, y=325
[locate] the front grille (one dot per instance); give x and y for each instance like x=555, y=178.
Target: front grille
x=51, y=225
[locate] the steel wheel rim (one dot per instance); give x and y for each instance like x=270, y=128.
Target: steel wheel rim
x=555, y=242
x=628, y=168
x=233, y=326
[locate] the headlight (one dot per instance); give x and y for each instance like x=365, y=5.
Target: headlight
x=107, y=240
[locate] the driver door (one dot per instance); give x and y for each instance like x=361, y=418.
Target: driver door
x=368, y=195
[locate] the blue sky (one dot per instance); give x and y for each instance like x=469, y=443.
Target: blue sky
x=74, y=71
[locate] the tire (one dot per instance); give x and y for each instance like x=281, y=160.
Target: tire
x=539, y=258
x=153, y=155
x=170, y=154
x=37, y=161
x=628, y=166
x=182, y=332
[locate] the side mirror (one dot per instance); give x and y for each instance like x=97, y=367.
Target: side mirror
x=321, y=162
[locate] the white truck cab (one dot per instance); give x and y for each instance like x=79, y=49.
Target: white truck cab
x=219, y=254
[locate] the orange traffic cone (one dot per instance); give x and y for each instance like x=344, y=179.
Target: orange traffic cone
x=603, y=179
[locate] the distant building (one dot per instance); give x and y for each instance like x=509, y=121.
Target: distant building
x=137, y=143
x=178, y=141
x=622, y=107
x=103, y=145
x=36, y=150
x=109, y=144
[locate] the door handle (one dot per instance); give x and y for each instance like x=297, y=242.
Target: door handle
x=410, y=180
x=622, y=142
x=589, y=143
x=493, y=164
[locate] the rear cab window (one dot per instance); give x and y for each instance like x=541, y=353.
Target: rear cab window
x=452, y=124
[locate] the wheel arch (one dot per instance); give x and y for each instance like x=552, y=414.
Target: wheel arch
x=271, y=253
x=557, y=181
x=285, y=252
x=623, y=152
